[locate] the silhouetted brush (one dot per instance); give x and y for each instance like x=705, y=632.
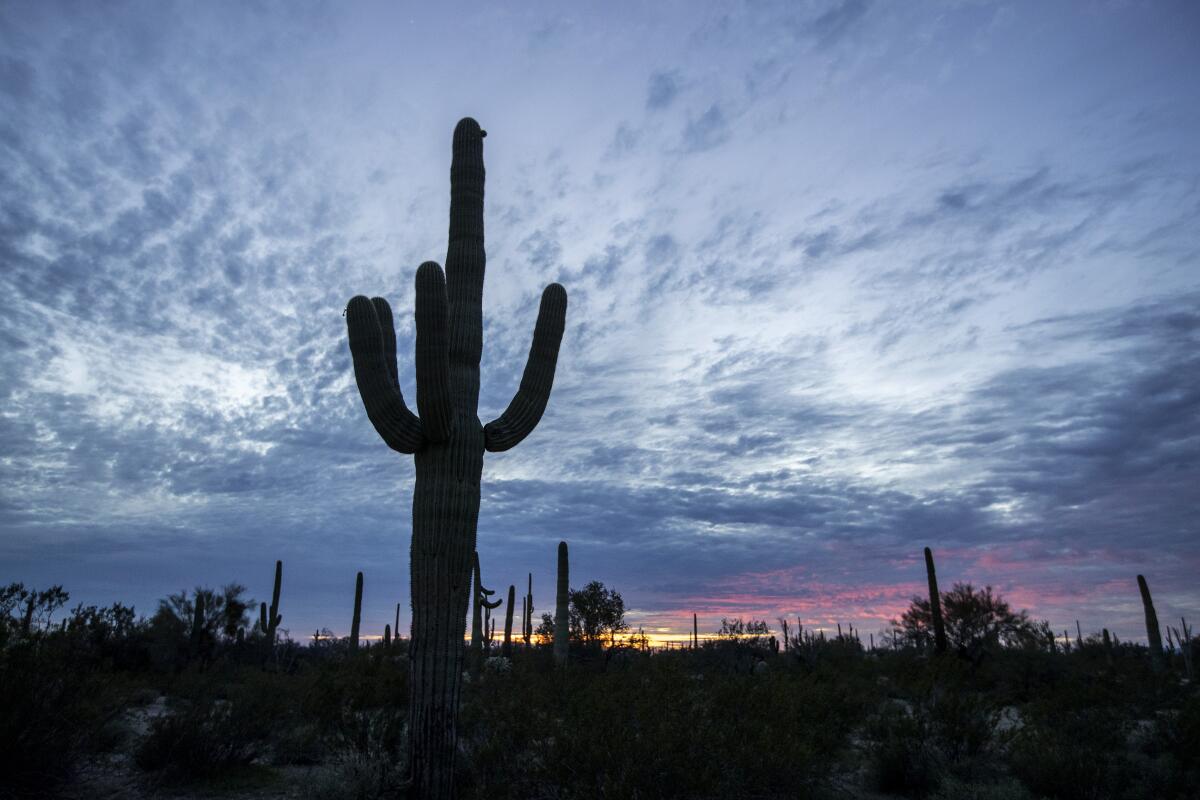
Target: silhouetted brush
x=448, y=443
x=354, y=624
x=1153, y=637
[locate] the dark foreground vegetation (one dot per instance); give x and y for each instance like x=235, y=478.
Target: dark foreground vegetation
x=95, y=702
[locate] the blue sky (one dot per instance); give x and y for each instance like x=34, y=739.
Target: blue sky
x=846, y=279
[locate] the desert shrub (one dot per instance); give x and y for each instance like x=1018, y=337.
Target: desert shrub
x=902, y=758
x=652, y=730
x=954, y=789
x=356, y=777
x=51, y=712
x=211, y=729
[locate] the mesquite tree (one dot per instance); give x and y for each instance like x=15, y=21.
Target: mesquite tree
x=447, y=442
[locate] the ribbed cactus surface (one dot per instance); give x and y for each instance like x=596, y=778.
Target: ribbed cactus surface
x=447, y=442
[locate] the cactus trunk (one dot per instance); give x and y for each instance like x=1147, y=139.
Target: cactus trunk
x=508, y=617
x=935, y=604
x=354, y=624
x=1153, y=637
x=273, y=616
x=562, y=620
x=527, y=628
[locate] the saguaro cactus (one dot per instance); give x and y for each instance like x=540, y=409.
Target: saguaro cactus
x=357, y=612
x=481, y=614
x=562, y=620
x=508, y=615
x=269, y=618
x=935, y=604
x=448, y=443
x=1153, y=637
x=527, y=625
x=695, y=632
x=387, y=636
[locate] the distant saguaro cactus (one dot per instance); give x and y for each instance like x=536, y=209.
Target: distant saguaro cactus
x=481, y=614
x=935, y=604
x=1153, y=636
x=354, y=624
x=562, y=620
x=695, y=633
x=508, y=616
x=274, y=618
x=448, y=442
x=387, y=636
x=527, y=624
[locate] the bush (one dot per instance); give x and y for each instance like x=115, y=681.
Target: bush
x=205, y=733
x=51, y=713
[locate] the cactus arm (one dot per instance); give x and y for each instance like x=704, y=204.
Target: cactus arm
x=490, y=603
x=529, y=403
x=465, y=264
x=387, y=328
x=397, y=426
x=433, y=353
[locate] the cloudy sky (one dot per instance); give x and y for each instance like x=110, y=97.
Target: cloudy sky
x=846, y=279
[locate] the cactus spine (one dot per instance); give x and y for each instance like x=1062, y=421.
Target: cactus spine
x=508, y=616
x=935, y=604
x=448, y=443
x=562, y=620
x=357, y=612
x=1153, y=637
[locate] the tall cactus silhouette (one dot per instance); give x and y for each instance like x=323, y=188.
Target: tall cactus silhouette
x=269, y=618
x=482, y=609
x=357, y=620
x=935, y=604
x=508, y=615
x=562, y=620
x=527, y=612
x=1153, y=636
x=448, y=443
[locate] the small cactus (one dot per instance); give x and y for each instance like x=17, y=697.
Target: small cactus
x=358, y=586
x=387, y=636
x=562, y=598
